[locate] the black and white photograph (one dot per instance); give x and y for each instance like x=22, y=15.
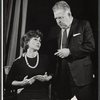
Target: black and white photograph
x=50, y=50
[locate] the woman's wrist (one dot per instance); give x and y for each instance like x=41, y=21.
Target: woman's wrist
x=18, y=83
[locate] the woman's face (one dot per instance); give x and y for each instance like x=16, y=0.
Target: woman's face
x=35, y=43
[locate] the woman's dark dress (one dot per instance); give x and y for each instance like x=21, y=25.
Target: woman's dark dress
x=19, y=69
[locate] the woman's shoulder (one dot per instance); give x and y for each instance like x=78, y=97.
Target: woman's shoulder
x=19, y=59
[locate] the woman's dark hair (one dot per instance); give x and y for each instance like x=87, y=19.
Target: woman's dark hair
x=27, y=36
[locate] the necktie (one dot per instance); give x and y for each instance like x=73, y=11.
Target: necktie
x=64, y=40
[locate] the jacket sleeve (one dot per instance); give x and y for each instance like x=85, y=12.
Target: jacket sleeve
x=86, y=47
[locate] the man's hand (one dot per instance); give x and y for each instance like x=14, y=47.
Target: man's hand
x=62, y=53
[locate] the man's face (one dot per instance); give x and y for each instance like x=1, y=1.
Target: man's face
x=62, y=18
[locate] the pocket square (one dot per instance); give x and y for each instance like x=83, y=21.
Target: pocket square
x=76, y=34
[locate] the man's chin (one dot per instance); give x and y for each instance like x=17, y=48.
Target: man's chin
x=61, y=26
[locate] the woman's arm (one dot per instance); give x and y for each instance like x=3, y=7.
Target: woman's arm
x=24, y=82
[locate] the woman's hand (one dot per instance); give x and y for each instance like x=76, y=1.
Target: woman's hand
x=28, y=81
x=25, y=81
x=32, y=80
x=43, y=78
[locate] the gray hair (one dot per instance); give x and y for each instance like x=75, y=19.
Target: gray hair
x=61, y=5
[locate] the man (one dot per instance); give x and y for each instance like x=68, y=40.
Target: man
x=73, y=39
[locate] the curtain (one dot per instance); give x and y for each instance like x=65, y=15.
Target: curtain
x=14, y=27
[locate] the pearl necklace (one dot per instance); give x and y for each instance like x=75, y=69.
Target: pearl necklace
x=36, y=62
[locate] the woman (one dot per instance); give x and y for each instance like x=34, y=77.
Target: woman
x=31, y=72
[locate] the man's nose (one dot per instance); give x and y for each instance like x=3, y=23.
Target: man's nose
x=59, y=21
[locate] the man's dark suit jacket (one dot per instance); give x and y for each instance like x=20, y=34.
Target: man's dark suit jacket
x=81, y=44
